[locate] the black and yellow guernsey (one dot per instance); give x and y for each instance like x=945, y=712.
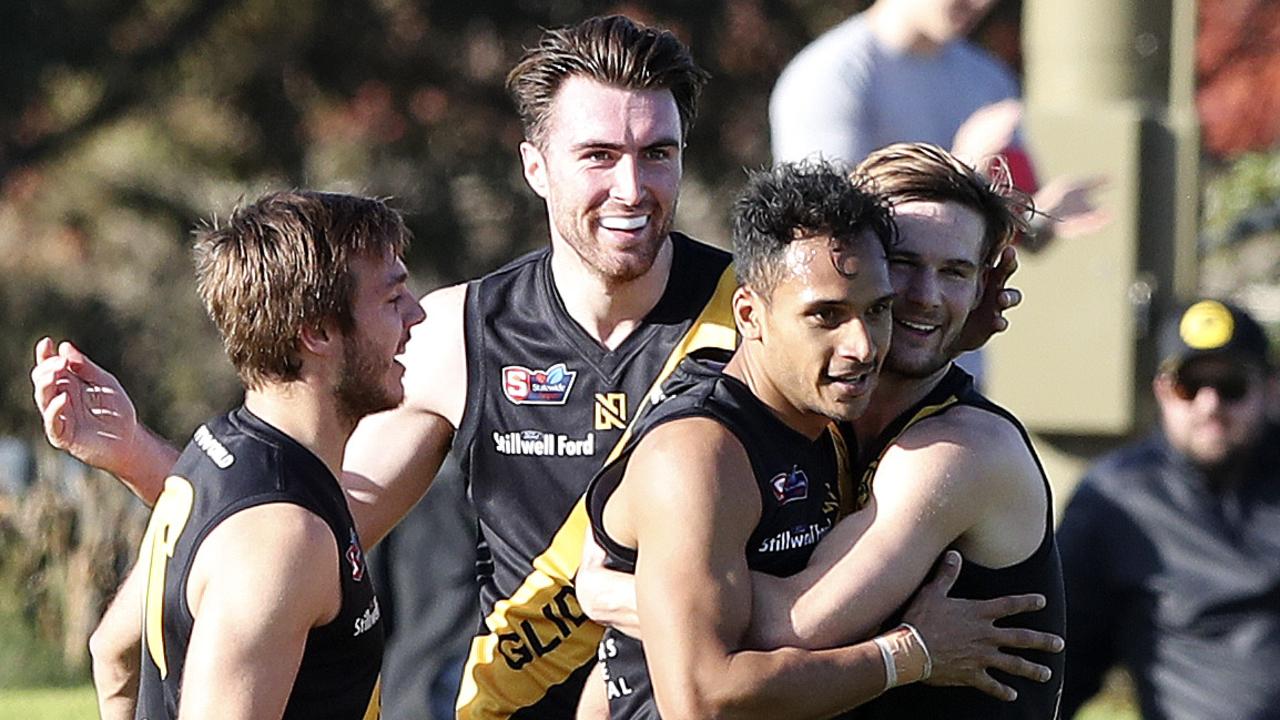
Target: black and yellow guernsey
x=798, y=481
x=233, y=463
x=1040, y=573
x=547, y=405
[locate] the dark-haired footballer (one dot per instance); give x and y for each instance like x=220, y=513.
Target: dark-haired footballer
x=732, y=477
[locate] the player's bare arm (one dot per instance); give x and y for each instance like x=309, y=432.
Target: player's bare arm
x=969, y=474
x=393, y=456
x=115, y=648
x=694, y=589
x=964, y=641
x=253, y=610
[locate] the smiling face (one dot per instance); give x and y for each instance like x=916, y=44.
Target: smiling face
x=822, y=333
x=609, y=169
x=936, y=270
x=383, y=310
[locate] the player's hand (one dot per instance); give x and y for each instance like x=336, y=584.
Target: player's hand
x=1070, y=206
x=85, y=410
x=965, y=643
x=988, y=318
x=606, y=596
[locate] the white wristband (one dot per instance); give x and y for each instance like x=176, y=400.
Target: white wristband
x=928, y=659
x=890, y=668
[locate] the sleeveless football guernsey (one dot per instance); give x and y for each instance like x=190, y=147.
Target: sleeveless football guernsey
x=798, y=483
x=546, y=407
x=233, y=463
x=1039, y=573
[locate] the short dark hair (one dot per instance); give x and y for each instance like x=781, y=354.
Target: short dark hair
x=797, y=201
x=612, y=50
x=920, y=172
x=283, y=264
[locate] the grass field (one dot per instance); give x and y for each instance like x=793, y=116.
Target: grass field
x=69, y=703
x=77, y=703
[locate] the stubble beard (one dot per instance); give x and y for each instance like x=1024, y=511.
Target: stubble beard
x=617, y=268
x=360, y=390
x=917, y=369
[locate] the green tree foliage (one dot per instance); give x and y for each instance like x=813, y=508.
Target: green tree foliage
x=125, y=122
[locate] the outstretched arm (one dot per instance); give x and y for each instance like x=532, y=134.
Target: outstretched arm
x=393, y=456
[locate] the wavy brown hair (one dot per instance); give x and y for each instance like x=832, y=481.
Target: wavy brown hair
x=615, y=51
x=283, y=264
x=920, y=172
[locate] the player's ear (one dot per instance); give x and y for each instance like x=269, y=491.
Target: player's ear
x=535, y=168
x=748, y=312
x=322, y=339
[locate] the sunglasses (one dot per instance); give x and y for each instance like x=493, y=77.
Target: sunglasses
x=1231, y=386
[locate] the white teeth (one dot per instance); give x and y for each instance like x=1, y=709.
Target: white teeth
x=919, y=326
x=631, y=222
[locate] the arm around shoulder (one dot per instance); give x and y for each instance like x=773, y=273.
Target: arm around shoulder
x=934, y=488
x=693, y=588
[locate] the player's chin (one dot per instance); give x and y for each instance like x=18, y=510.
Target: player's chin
x=847, y=408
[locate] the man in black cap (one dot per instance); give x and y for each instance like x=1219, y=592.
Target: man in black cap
x=1171, y=546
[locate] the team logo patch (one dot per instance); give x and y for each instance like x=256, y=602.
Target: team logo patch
x=789, y=486
x=523, y=386
x=355, y=556
x=611, y=411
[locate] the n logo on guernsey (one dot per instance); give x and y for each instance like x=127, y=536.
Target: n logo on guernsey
x=523, y=386
x=611, y=411
x=790, y=486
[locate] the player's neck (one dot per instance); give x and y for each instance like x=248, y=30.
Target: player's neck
x=744, y=365
x=894, y=28
x=894, y=395
x=307, y=414
x=607, y=310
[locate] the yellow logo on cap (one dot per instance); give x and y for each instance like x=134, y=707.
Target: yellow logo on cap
x=1207, y=325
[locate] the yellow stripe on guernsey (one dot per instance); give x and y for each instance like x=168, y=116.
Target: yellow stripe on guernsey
x=843, y=499
x=168, y=518
x=868, y=476
x=374, y=711
x=491, y=688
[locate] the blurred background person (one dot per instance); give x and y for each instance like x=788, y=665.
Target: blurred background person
x=902, y=71
x=1171, y=546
